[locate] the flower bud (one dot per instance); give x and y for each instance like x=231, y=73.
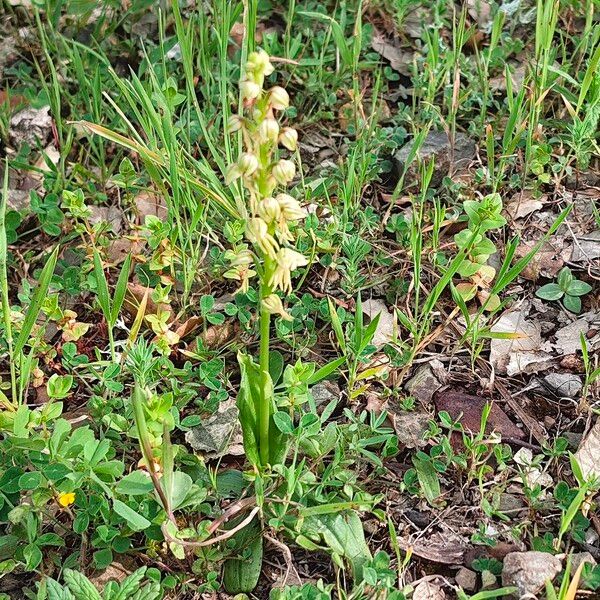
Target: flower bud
x=290, y=208
x=257, y=232
x=249, y=89
x=289, y=138
x=268, y=210
x=279, y=98
x=234, y=124
x=233, y=172
x=268, y=131
x=259, y=63
x=273, y=305
x=248, y=163
x=284, y=171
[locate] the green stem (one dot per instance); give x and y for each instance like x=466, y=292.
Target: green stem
x=264, y=410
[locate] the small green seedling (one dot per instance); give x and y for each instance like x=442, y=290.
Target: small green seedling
x=568, y=289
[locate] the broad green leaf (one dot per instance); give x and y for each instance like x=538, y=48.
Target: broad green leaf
x=136, y=483
x=136, y=521
x=325, y=370
x=572, y=303
x=181, y=484
x=578, y=288
x=120, y=290
x=80, y=586
x=283, y=422
x=550, y=291
x=428, y=478
x=102, y=286
x=36, y=302
x=247, y=403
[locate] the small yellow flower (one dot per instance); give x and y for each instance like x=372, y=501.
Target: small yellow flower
x=273, y=305
x=288, y=260
x=248, y=163
x=268, y=209
x=257, y=232
x=259, y=64
x=284, y=171
x=66, y=499
x=268, y=131
x=290, y=208
x=234, y=124
x=279, y=98
x=249, y=89
x=289, y=138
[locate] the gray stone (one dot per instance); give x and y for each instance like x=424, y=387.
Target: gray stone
x=588, y=453
x=529, y=571
x=324, y=392
x=566, y=385
x=510, y=503
x=31, y=126
x=18, y=200
x=579, y=557
x=437, y=146
x=423, y=384
x=410, y=427
x=218, y=435
x=466, y=579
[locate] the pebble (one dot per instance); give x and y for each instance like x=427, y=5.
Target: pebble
x=529, y=571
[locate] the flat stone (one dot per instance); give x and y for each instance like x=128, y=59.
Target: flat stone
x=466, y=579
x=324, y=392
x=529, y=571
x=566, y=385
x=488, y=579
x=588, y=453
x=437, y=146
x=423, y=384
x=579, y=557
x=510, y=503
x=410, y=427
x=18, y=200
x=32, y=126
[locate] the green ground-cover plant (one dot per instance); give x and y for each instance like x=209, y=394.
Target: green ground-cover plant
x=567, y=288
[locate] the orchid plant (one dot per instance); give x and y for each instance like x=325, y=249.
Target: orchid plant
x=269, y=255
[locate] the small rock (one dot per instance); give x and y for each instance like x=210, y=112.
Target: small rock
x=423, y=384
x=220, y=434
x=428, y=590
x=18, y=200
x=488, y=580
x=509, y=503
x=580, y=557
x=437, y=146
x=107, y=214
x=466, y=579
x=588, y=453
x=410, y=427
x=529, y=571
x=31, y=126
x=587, y=248
x=566, y=385
x=324, y=392
x=384, y=332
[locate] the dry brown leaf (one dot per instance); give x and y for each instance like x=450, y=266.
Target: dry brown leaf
x=521, y=205
x=133, y=297
x=400, y=60
x=147, y=203
x=386, y=325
